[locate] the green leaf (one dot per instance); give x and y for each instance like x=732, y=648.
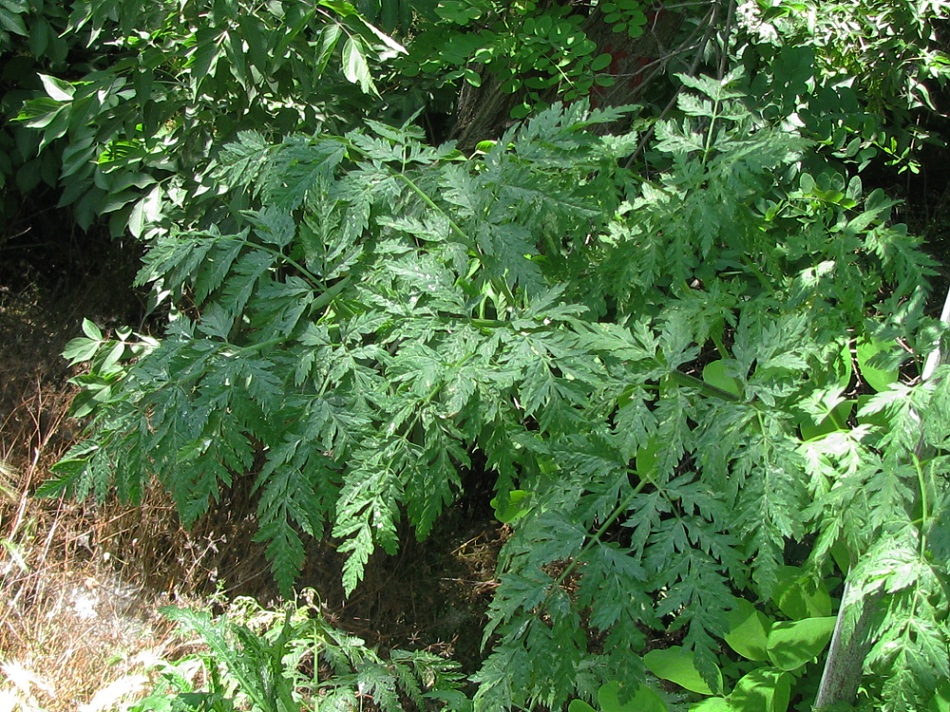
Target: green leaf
x=877, y=418
x=91, y=330
x=799, y=596
x=748, y=630
x=940, y=702
x=355, y=66
x=835, y=421
x=57, y=89
x=678, y=665
x=329, y=38
x=713, y=704
x=762, y=690
x=647, y=457
x=644, y=699
x=511, y=508
x=12, y=21
x=878, y=378
x=843, y=368
x=579, y=706
x=792, y=644
x=714, y=373
x=79, y=350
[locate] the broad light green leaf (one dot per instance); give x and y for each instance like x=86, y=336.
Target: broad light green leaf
x=748, y=631
x=835, y=421
x=511, y=508
x=714, y=373
x=794, y=643
x=678, y=665
x=878, y=378
x=645, y=699
x=843, y=368
x=579, y=706
x=713, y=704
x=799, y=596
x=940, y=702
x=647, y=457
x=762, y=690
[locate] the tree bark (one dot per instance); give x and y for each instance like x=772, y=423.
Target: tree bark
x=484, y=112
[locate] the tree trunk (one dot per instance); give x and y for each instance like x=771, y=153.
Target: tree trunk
x=484, y=112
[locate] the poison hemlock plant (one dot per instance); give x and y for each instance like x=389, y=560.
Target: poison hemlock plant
x=634, y=359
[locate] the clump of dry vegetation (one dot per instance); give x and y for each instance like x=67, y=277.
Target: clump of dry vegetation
x=73, y=634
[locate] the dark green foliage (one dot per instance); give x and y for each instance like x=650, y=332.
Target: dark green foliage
x=130, y=135
x=538, y=50
x=861, y=78
x=374, y=310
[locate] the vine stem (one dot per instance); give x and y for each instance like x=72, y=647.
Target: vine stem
x=595, y=539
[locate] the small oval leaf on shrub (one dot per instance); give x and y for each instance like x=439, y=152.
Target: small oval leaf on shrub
x=748, y=631
x=79, y=350
x=91, y=330
x=794, y=643
x=679, y=666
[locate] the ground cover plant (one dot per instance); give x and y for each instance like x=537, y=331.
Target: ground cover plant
x=682, y=346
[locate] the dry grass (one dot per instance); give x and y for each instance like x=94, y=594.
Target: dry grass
x=73, y=636
x=79, y=628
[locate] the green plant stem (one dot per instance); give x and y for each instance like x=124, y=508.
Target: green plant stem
x=311, y=277
x=845, y=662
x=595, y=539
x=720, y=345
x=684, y=379
x=500, y=286
x=754, y=268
